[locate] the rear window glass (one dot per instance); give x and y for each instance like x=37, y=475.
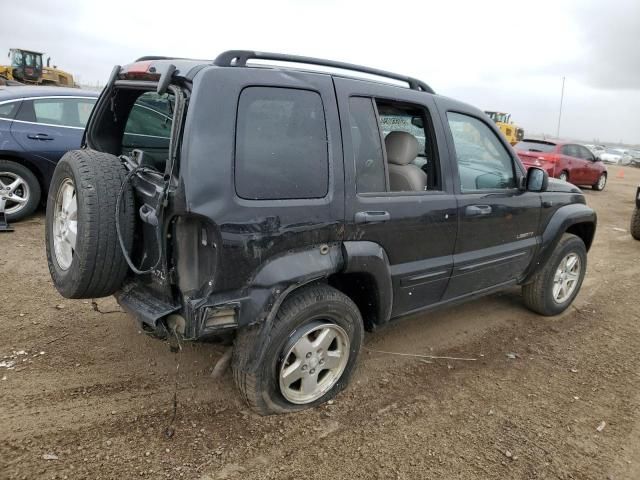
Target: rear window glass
x=148, y=127
x=535, y=146
x=368, y=154
x=151, y=115
x=281, y=144
x=67, y=112
x=8, y=110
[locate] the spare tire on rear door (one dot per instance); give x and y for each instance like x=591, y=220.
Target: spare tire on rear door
x=84, y=255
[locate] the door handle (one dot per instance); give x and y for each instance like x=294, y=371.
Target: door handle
x=39, y=136
x=371, y=217
x=478, y=210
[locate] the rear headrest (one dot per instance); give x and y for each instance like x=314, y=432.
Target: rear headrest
x=402, y=148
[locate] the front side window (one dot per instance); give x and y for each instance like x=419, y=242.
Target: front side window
x=571, y=151
x=281, y=145
x=67, y=112
x=483, y=162
x=585, y=153
x=30, y=60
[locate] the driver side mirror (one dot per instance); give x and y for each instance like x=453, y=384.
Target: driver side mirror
x=537, y=180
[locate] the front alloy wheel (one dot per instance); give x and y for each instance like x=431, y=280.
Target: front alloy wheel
x=601, y=183
x=566, y=278
x=554, y=287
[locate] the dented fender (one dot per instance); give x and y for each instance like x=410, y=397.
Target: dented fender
x=283, y=274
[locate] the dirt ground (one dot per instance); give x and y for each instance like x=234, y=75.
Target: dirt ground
x=85, y=394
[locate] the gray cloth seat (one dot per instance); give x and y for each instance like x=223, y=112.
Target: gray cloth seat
x=402, y=149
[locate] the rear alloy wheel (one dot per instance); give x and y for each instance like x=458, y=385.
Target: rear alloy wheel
x=564, y=176
x=557, y=284
x=19, y=190
x=313, y=362
x=305, y=358
x=601, y=183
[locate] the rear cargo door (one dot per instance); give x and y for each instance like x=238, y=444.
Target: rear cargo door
x=264, y=165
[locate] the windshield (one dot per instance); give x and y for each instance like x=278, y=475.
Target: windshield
x=16, y=59
x=533, y=146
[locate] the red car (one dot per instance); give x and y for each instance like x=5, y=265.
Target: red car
x=567, y=161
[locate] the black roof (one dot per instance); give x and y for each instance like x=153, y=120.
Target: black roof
x=239, y=58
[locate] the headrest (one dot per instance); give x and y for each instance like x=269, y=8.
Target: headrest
x=402, y=148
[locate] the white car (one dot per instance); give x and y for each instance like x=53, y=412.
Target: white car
x=597, y=150
x=616, y=156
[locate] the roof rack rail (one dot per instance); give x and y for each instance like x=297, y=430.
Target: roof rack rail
x=239, y=58
x=146, y=58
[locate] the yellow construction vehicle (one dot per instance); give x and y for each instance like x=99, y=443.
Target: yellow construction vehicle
x=26, y=66
x=510, y=130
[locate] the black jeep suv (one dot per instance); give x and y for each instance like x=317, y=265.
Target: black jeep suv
x=295, y=202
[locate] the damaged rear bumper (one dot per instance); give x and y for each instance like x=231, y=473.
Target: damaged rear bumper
x=146, y=304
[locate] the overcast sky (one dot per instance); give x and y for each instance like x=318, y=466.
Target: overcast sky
x=506, y=56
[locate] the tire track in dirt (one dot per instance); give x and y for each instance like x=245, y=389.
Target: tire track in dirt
x=400, y=418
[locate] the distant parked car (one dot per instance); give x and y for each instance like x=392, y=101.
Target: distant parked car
x=37, y=126
x=635, y=158
x=616, y=156
x=597, y=150
x=567, y=161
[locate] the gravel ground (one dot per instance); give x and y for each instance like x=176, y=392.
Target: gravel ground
x=84, y=394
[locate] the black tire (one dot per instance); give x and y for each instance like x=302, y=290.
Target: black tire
x=538, y=295
x=566, y=174
x=635, y=224
x=33, y=187
x=258, y=378
x=98, y=267
x=596, y=186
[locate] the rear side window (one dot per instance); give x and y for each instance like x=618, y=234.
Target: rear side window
x=367, y=147
x=281, y=145
x=571, y=151
x=8, y=110
x=67, y=112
